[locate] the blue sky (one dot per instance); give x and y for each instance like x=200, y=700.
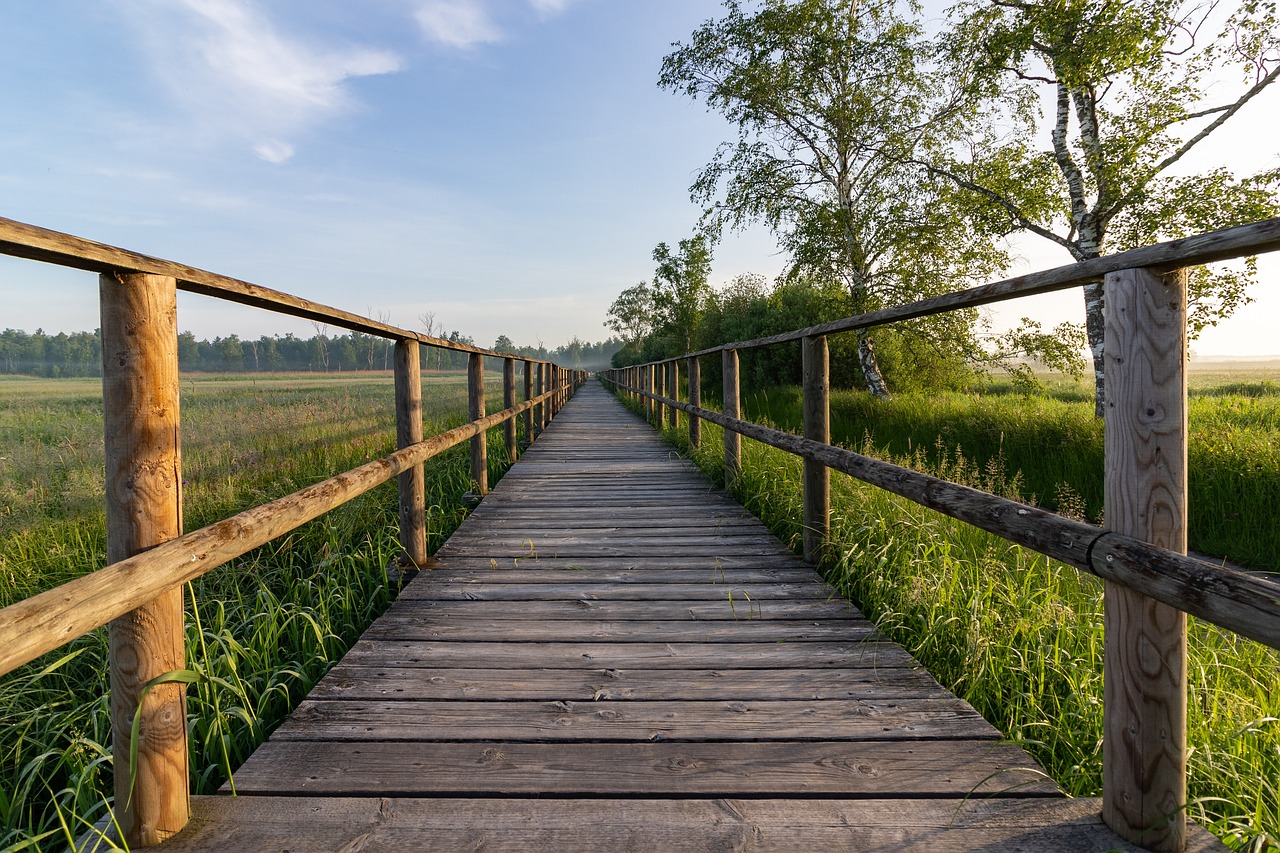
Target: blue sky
x=506, y=164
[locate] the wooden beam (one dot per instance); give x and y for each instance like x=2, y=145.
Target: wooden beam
x=1145, y=660
x=817, y=427
x=528, y=395
x=694, y=369
x=475, y=404
x=144, y=509
x=673, y=386
x=732, y=409
x=509, y=401
x=408, y=383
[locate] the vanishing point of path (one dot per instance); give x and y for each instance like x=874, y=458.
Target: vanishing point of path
x=613, y=655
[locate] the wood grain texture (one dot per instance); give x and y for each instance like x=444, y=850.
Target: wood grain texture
x=816, y=405
x=517, y=825
x=732, y=409
x=509, y=401
x=673, y=387
x=412, y=484
x=1145, y=660
x=475, y=407
x=528, y=395
x=694, y=369
x=144, y=509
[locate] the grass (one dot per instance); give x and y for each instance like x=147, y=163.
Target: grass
x=261, y=630
x=1054, y=447
x=1017, y=635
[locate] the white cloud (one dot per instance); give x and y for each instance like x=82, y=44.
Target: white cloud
x=549, y=7
x=457, y=23
x=236, y=73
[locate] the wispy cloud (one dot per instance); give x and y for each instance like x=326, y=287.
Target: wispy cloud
x=457, y=23
x=231, y=67
x=549, y=7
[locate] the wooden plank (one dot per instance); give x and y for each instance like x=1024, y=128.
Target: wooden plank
x=354, y=681
x=621, y=591
x=817, y=427
x=608, y=721
x=598, y=571
x=404, y=653
x=412, y=483
x=543, y=630
x=517, y=825
x=702, y=611
x=867, y=768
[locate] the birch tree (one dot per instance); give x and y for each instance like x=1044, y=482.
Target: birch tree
x=1134, y=88
x=831, y=103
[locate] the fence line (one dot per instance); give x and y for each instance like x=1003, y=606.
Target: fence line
x=139, y=594
x=1150, y=583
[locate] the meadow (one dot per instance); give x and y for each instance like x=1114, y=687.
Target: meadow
x=260, y=630
x=1016, y=634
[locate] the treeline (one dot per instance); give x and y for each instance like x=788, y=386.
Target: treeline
x=80, y=353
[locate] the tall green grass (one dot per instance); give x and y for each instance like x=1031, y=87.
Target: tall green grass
x=1019, y=636
x=261, y=630
x=1055, y=446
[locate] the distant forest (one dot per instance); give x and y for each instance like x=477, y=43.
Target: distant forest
x=80, y=353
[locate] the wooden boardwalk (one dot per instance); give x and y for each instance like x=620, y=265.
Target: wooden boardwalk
x=613, y=655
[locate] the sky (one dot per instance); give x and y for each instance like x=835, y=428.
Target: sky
x=504, y=165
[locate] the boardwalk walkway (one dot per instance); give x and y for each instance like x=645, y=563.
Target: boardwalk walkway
x=613, y=655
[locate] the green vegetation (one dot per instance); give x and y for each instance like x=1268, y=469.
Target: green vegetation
x=1051, y=446
x=1016, y=634
x=262, y=629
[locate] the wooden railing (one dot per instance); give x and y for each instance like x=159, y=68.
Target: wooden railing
x=140, y=592
x=1150, y=583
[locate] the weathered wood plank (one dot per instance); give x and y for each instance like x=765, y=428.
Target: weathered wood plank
x=543, y=630
x=605, y=721
x=766, y=610
x=353, y=681
x=1041, y=825
x=868, y=768
x=405, y=653
x=621, y=591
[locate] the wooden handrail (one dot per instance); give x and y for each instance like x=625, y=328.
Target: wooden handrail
x=1252, y=239
x=50, y=619
x=21, y=240
x=1238, y=601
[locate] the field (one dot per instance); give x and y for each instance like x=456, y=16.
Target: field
x=1018, y=635
x=261, y=630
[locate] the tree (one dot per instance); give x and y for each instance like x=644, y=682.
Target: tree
x=831, y=105
x=680, y=287
x=633, y=314
x=1129, y=83
x=504, y=344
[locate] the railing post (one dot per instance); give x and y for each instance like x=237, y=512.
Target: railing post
x=508, y=401
x=1145, y=659
x=659, y=388
x=647, y=385
x=732, y=408
x=695, y=399
x=144, y=508
x=408, y=382
x=542, y=407
x=673, y=391
x=479, y=443
x=528, y=395
x=817, y=427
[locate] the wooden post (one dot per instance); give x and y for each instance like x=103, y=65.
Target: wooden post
x=647, y=385
x=542, y=407
x=479, y=443
x=659, y=388
x=144, y=509
x=508, y=401
x=528, y=395
x=408, y=381
x=673, y=391
x=695, y=399
x=817, y=427
x=732, y=408
x=1145, y=658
